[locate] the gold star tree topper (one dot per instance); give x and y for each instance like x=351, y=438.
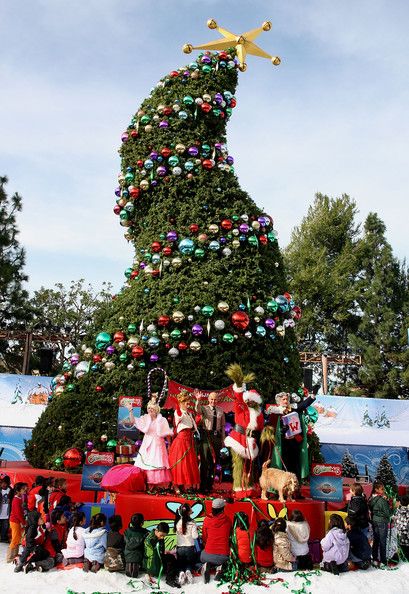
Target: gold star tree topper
x=243, y=43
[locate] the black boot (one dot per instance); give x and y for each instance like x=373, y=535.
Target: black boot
x=334, y=568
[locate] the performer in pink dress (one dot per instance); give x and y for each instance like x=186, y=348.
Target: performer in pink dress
x=182, y=454
x=153, y=456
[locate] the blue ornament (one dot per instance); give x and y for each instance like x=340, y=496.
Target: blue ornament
x=214, y=246
x=153, y=342
x=213, y=340
x=148, y=164
x=186, y=246
x=173, y=160
x=182, y=115
x=146, y=291
x=242, y=307
x=261, y=331
x=189, y=165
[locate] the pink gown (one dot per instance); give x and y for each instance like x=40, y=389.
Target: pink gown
x=153, y=456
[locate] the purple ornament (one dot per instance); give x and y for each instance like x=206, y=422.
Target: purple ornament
x=186, y=73
x=206, y=60
x=154, y=155
x=222, y=240
x=193, y=151
x=154, y=183
x=197, y=330
x=110, y=350
x=218, y=467
x=229, y=160
x=218, y=146
x=219, y=98
x=142, y=265
x=163, y=124
x=118, y=191
x=138, y=443
x=244, y=228
x=125, y=137
x=154, y=358
x=262, y=221
x=75, y=359
x=161, y=171
x=172, y=236
x=227, y=428
x=269, y=323
x=89, y=445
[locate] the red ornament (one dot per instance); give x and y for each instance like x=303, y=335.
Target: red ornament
x=165, y=152
x=134, y=192
x=155, y=273
x=139, y=163
x=182, y=346
x=117, y=209
x=287, y=296
x=194, y=228
x=296, y=312
x=167, y=251
x=174, y=74
x=134, y=134
x=240, y=320
x=163, y=320
x=156, y=246
x=226, y=224
x=167, y=111
x=99, y=389
x=167, y=345
x=233, y=102
x=206, y=107
x=97, y=358
x=119, y=336
x=222, y=55
x=134, y=274
x=207, y=164
x=263, y=239
x=72, y=458
x=137, y=352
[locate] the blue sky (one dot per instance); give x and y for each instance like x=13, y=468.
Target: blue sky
x=332, y=118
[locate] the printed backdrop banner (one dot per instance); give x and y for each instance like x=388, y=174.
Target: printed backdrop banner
x=24, y=389
x=225, y=395
x=367, y=459
x=362, y=421
x=125, y=427
x=12, y=440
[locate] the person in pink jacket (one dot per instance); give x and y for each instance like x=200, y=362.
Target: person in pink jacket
x=335, y=546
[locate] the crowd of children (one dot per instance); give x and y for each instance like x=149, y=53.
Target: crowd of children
x=52, y=531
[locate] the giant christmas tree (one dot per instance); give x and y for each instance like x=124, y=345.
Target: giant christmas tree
x=206, y=287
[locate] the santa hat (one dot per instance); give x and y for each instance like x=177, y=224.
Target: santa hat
x=252, y=396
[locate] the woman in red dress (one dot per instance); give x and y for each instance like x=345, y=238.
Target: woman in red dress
x=182, y=454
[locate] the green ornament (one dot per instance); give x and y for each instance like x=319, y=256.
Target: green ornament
x=228, y=111
x=145, y=119
x=217, y=112
x=70, y=387
x=128, y=272
x=176, y=299
x=142, y=364
x=123, y=357
x=206, y=69
x=235, y=217
x=162, y=236
x=132, y=328
x=271, y=236
x=253, y=241
x=207, y=311
x=124, y=215
x=188, y=100
x=272, y=305
x=199, y=253
x=111, y=444
x=147, y=257
x=58, y=462
x=66, y=366
x=176, y=334
x=102, y=340
x=229, y=338
x=300, y=392
x=129, y=176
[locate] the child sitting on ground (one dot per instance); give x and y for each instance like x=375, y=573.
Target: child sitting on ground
x=135, y=536
x=114, y=556
x=38, y=552
x=95, y=538
x=401, y=518
x=156, y=561
x=74, y=551
x=359, y=548
x=335, y=546
x=58, y=533
x=298, y=531
x=283, y=558
x=263, y=545
x=243, y=537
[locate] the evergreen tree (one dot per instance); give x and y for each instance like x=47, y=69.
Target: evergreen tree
x=349, y=468
x=321, y=263
x=386, y=475
x=14, y=307
x=207, y=284
x=381, y=296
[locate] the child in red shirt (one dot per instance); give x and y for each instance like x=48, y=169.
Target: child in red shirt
x=17, y=520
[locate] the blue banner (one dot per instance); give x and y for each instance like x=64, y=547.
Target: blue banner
x=12, y=440
x=326, y=488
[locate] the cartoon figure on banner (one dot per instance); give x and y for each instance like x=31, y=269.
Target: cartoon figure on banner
x=129, y=409
x=153, y=456
x=182, y=453
x=249, y=422
x=212, y=433
x=287, y=420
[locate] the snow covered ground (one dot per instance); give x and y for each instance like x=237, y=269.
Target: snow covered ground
x=372, y=581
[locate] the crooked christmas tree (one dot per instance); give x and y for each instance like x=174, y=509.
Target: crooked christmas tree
x=206, y=287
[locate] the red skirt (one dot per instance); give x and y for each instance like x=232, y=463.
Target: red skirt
x=183, y=460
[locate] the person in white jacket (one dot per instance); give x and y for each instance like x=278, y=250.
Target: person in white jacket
x=74, y=551
x=298, y=531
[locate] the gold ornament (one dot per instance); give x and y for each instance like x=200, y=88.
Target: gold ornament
x=243, y=43
x=178, y=317
x=223, y=306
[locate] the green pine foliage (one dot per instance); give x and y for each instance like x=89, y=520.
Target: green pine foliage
x=385, y=474
x=206, y=287
x=349, y=468
x=14, y=308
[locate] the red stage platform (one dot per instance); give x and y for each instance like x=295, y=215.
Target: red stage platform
x=158, y=508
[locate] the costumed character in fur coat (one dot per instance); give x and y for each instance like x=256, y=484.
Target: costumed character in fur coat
x=290, y=452
x=153, y=456
x=249, y=422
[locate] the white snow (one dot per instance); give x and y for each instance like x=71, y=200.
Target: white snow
x=58, y=582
